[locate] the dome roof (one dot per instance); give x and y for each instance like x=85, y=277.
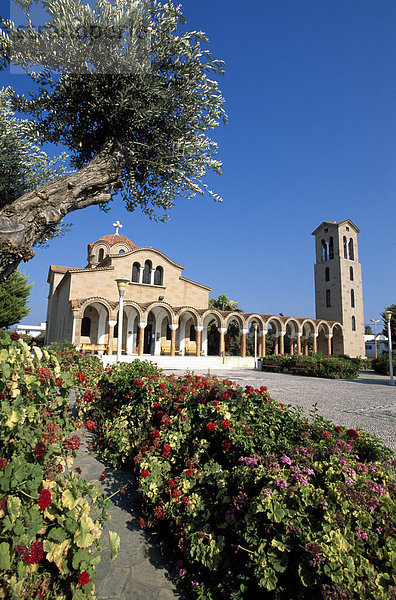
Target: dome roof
x=113, y=239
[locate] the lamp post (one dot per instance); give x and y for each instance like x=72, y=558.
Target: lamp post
x=74, y=313
x=255, y=345
x=121, y=285
x=388, y=316
x=375, y=334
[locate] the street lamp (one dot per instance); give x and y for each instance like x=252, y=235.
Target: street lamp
x=375, y=334
x=388, y=315
x=255, y=345
x=121, y=285
x=74, y=313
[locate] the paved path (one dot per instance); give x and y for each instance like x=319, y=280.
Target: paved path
x=139, y=572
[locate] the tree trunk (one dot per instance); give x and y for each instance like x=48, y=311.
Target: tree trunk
x=37, y=213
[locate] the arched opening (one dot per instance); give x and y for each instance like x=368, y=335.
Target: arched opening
x=328, y=299
x=253, y=337
x=327, y=274
x=121, y=251
x=158, y=276
x=135, y=272
x=351, y=249
x=274, y=328
x=351, y=273
x=290, y=343
x=345, y=243
x=101, y=255
x=352, y=299
x=308, y=331
x=331, y=248
x=324, y=251
x=187, y=334
x=147, y=271
x=353, y=324
x=211, y=335
x=232, y=338
x=86, y=326
x=338, y=340
x=322, y=342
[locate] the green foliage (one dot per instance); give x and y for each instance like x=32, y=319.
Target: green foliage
x=392, y=308
x=261, y=503
x=14, y=293
x=50, y=518
x=143, y=86
x=368, y=330
x=381, y=364
x=316, y=365
x=224, y=303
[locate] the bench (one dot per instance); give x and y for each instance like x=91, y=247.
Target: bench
x=304, y=366
x=166, y=350
x=93, y=348
x=271, y=364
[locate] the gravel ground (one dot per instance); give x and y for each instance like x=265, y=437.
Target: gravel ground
x=367, y=402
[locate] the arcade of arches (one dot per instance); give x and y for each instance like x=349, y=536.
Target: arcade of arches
x=158, y=328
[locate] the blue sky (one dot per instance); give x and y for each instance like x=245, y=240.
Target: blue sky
x=310, y=92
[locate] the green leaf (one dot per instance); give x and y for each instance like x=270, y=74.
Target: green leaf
x=5, y=556
x=57, y=534
x=81, y=560
x=13, y=507
x=114, y=541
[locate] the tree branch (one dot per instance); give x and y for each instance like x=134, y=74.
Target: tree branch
x=38, y=212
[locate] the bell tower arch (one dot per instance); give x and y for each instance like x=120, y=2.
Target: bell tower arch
x=338, y=281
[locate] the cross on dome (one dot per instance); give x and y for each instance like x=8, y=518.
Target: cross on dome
x=117, y=225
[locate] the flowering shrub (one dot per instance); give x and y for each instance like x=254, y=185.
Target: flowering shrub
x=259, y=502
x=47, y=536
x=316, y=365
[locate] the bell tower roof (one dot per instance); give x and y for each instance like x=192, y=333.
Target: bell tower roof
x=115, y=238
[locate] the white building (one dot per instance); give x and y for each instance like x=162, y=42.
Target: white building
x=382, y=345
x=33, y=330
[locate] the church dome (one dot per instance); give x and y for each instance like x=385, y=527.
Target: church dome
x=108, y=244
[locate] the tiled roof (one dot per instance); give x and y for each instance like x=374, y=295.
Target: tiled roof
x=114, y=238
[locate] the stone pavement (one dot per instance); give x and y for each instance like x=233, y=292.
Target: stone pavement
x=140, y=571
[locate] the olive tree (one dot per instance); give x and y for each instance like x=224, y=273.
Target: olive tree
x=132, y=98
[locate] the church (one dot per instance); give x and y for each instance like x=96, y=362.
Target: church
x=161, y=312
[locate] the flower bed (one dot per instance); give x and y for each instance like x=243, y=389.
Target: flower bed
x=260, y=503
x=50, y=518
x=316, y=365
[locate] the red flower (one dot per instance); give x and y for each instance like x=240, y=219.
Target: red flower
x=171, y=483
x=352, y=433
x=3, y=463
x=280, y=405
x=35, y=554
x=166, y=450
x=58, y=382
x=142, y=524
x=81, y=377
x=225, y=445
x=139, y=382
x=14, y=336
x=83, y=578
x=167, y=421
x=154, y=434
x=103, y=476
x=338, y=429
x=40, y=449
x=211, y=426
x=185, y=500
x=190, y=473
x=89, y=396
x=78, y=470
x=162, y=386
x=157, y=405
x=90, y=425
x=263, y=388
x=44, y=499
x=216, y=402
x=145, y=473
x=176, y=493
x=159, y=513
x=225, y=424
x=225, y=396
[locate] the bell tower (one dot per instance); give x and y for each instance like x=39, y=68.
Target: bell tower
x=338, y=281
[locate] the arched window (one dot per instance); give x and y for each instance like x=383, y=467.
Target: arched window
x=193, y=336
x=351, y=273
x=353, y=324
x=328, y=299
x=86, y=326
x=352, y=298
x=147, y=271
x=135, y=272
x=158, y=276
x=327, y=274
x=324, y=251
x=101, y=255
x=345, y=247
x=350, y=248
x=121, y=251
x=331, y=249
x=168, y=332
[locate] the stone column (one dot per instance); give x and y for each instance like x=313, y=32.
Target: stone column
x=276, y=345
x=110, y=337
x=243, y=342
x=291, y=345
x=142, y=327
x=173, y=328
x=141, y=275
x=299, y=343
x=306, y=349
x=198, y=329
x=222, y=331
x=264, y=335
x=329, y=336
x=282, y=342
x=152, y=275
x=315, y=342
x=260, y=344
